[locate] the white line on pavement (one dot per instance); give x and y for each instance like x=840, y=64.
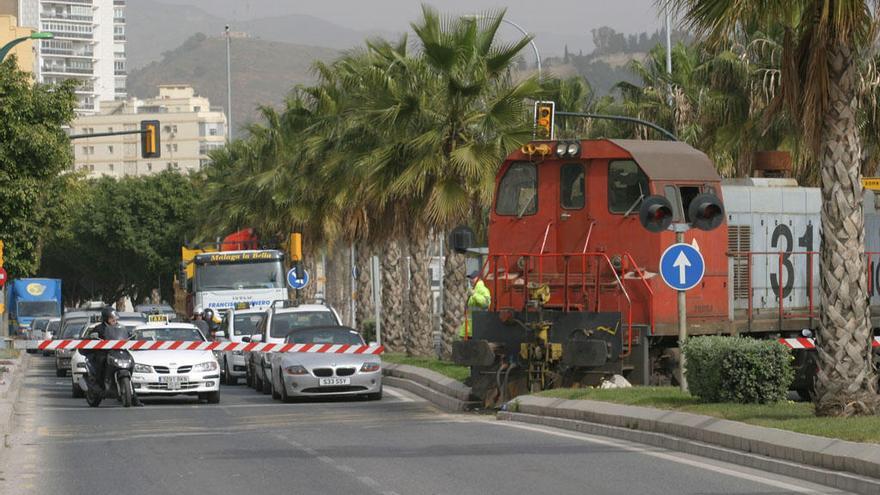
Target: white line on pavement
x=662, y=455
x=399, y=396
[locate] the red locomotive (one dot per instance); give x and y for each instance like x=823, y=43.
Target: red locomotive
x=573, y=272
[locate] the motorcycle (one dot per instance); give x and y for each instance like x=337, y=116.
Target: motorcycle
x=117, y=380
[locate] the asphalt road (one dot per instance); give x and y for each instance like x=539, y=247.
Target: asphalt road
x=249, y=444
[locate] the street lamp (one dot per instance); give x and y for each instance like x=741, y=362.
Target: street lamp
x=39, y=35
x=228, y=89
x=521, y=30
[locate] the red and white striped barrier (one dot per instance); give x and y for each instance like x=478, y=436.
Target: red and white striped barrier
x=184, y=345
x=805, y=343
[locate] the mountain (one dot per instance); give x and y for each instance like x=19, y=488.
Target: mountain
x=263, y=72
x=147, y=42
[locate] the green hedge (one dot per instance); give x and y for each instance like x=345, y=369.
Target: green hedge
x=738, y=369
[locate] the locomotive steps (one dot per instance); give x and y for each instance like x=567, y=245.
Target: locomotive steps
x=841, y=464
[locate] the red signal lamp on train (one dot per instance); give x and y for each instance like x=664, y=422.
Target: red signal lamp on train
x=706, y=211
x=655, y=214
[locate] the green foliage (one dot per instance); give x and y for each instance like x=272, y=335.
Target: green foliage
x=737, y=369
x=33, y=152
x=123, y=238
x=454, y=371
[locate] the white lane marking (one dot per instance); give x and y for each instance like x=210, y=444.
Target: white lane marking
x=397, y=395
x=662, y=455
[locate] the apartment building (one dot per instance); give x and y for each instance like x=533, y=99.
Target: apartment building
x=89, y=45
x=189, y=129
x=10, y=30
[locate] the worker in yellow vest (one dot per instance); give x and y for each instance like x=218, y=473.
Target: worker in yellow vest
x=480, y=298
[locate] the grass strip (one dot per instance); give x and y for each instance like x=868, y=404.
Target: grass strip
x=445, y=368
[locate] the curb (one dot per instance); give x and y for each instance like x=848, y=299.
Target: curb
x=9, y=397
x=845, y=465
x=442, y=391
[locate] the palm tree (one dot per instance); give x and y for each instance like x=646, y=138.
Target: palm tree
x=823, y=41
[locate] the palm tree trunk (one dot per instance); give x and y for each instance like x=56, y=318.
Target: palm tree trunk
x=364, y=296
x=454, y=298
x=420, y=331
x=392, y=298
x=845, y=383
x=310, y=263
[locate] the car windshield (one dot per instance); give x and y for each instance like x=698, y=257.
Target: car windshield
x=284, y=323
x=53, y=326
x=38, y=308
x=188, y=334
x=325, y=336
x=40, y=324
x=246, y=324
x=265, y=275
x=73, y=329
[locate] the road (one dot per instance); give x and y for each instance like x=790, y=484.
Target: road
x=402, y=444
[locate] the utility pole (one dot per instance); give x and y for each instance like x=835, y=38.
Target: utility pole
x=668, y=41
x=228, y=89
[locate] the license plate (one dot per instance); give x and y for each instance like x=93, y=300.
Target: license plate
x=329, y=382
x=172, y=382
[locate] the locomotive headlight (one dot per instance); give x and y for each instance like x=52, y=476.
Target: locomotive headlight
x=573, y=149
x=561, y=149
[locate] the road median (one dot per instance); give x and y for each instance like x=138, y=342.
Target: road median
x=445, y=392
x=842, y=464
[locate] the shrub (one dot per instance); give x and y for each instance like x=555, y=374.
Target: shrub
x=737, y=369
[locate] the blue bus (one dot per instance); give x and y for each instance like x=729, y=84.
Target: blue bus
x=30, y=298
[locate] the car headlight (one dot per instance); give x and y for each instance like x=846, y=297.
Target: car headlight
x=142, y=368
x=296, y=370
x=371, y=367
x=206, y=366
x=81, y=365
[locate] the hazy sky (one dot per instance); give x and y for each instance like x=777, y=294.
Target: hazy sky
x=563, y=17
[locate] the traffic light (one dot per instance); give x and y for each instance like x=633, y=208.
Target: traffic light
x=2, y=245
x=655, y=213
x=544, y=114
x=150, y=143
x=295, y=249
x=706, y=211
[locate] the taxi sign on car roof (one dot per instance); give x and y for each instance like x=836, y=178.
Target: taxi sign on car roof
x=162, y=319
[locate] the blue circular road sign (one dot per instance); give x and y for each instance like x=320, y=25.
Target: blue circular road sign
x=682, y=267
x=297, y=281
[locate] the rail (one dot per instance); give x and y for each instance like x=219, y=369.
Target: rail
x=782, y=259
x=529, y=266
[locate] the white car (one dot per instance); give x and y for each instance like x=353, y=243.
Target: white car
x=175, y=372
x=237, y=324
x=282, y=318
x=301, y=374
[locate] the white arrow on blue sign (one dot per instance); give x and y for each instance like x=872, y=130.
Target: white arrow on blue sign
x=296, y=281
x=682, y=267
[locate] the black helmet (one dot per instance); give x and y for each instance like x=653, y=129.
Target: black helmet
x=107, y=313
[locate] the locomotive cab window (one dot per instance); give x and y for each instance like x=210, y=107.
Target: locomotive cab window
x=518, y=191
x=627, y=185
x=572, y=187
x=681, y=196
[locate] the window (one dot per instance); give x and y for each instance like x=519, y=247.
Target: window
x=627, y=185
x=149, y=167
x=197, y=109
x=110, y=148
x=518, y=192
x=109, y=129
x=110, y=167
x=681, y=197
x=212, y=131
x=572, y=187
x=687, y=193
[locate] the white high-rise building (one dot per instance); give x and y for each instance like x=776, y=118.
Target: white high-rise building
x=89, y=46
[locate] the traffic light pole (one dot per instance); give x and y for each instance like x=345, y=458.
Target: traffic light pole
x=680, y=229
x=105, y=134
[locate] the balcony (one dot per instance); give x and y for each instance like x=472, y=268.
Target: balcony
x=67, y=52
x=64, y=16
x=118, y=37
x=69, y=35
x=62, y=69
x=63, y=2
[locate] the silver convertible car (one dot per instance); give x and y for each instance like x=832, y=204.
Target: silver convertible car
x=296, y=375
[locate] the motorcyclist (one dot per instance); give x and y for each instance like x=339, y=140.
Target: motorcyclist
x=108, y=329
x=199, y=322
x=212, y=322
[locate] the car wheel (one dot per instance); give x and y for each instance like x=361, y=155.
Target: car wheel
x=76, y=392
x=267, y=385
x=375, y=396
x=60, y=373
x=230, y=380
x=258, y=384
x=213, y=397
x=276, y=393
x=283, y=392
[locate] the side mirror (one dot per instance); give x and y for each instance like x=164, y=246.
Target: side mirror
x=461, y=239
x=706, y=211
x=256, y=338
x=655, y=213
x=245, y=339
